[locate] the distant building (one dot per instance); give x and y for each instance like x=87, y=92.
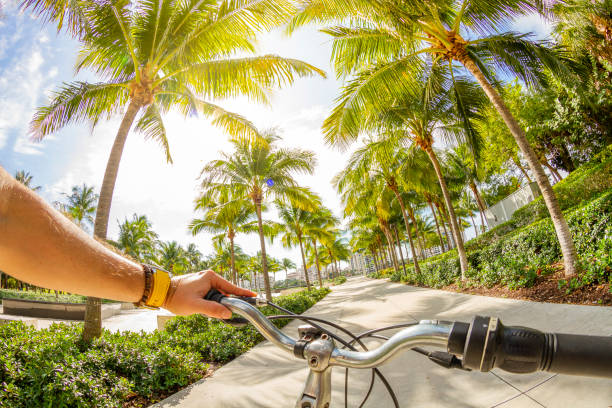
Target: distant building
x=312, y=274
x=503, y=210
x=257, y=283
x=362, y=264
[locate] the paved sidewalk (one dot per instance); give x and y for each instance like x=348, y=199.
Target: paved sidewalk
x=269, y=377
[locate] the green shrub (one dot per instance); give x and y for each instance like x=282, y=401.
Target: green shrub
x=45, y=296
x=53, y=368
x=339, y=280
x=580, y=187
x=521, y=256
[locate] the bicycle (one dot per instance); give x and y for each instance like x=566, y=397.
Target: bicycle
x=481, y=345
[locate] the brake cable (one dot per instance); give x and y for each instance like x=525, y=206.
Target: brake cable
x=309, y=319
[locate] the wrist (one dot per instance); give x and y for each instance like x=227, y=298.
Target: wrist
x=156, y=287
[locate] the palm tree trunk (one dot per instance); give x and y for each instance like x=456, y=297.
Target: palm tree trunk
x=564, y=235
x=304, y=262
x=417, y=268
x=454, y=227
x=474, y=224
x=477, y=196
x=93, y=309
x=555, y=174
x=433, y=213
x=390, y=241
x=518, y=164
x=262, y=243
x=442, y=216
x=233, y=259
x=314, y=241
x=416, y=232
x=399, y=245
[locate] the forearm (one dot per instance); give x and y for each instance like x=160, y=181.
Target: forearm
x=40, y=246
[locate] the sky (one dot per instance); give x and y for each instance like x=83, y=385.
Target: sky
x=36, y=60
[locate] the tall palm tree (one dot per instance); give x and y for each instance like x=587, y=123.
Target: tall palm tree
x=154, y=56
x=461, y=164
x=293, y=227
x=261, y=171
x=25, y=178
x=137, y=238
x=381, y=158
x=322, y=225
x=443, y=106
x=81, y=205
x=388, y=44
x=224, y=213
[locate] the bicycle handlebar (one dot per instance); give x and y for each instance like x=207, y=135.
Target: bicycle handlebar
x=485, y=343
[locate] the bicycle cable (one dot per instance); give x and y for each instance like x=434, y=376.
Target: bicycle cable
x=375, y=371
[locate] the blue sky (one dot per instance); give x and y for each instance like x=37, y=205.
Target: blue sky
x=35, y=60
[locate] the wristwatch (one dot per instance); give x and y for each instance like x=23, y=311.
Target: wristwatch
x=157, y=284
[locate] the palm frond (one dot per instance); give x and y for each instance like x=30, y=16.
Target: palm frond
x=151, y=125
x=77, y=102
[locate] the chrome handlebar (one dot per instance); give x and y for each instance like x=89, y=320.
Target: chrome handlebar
x=261, y=323
x=426, y=333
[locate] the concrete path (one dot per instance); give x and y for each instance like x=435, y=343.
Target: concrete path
x=269, y=377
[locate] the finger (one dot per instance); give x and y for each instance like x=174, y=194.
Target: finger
x=229, y=288
x=212, y=309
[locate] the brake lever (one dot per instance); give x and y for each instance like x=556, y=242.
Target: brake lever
x=446, y=360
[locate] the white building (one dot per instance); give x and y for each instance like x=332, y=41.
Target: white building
x=362, y=264
x=503, y=210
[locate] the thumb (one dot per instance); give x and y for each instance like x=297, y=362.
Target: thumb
x=213, y=309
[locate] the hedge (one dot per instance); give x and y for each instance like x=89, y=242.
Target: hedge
x=521, y=256
x=583, y=185
x=44, y=296
x=54, y=368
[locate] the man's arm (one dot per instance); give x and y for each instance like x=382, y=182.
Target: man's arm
x=40, y=246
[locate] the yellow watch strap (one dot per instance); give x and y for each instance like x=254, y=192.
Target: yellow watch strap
x=161, y=284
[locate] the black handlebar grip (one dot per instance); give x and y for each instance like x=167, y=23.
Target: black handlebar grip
x=578, y=355
x=214, y=295
x=488, y=344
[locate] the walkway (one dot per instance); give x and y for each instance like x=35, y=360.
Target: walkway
x=268, y=377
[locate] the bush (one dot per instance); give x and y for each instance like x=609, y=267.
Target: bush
x=520, y=257
x=583, y=185
x=53, y=368
x=44, y=296
x=339, y=280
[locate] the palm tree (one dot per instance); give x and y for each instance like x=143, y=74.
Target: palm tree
x=260, y=171
x=227, y=214
x=194, y=258
x=137, y=238
x=461, y=165
x=441, y=105
x=584, y=25
x=389, y=43
x=287, y=264
x=293, y=227
x=81, y=205
x=379, y=158
x=171, y=257
x=152, y=57
x=322, y=225
x=25, y=178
